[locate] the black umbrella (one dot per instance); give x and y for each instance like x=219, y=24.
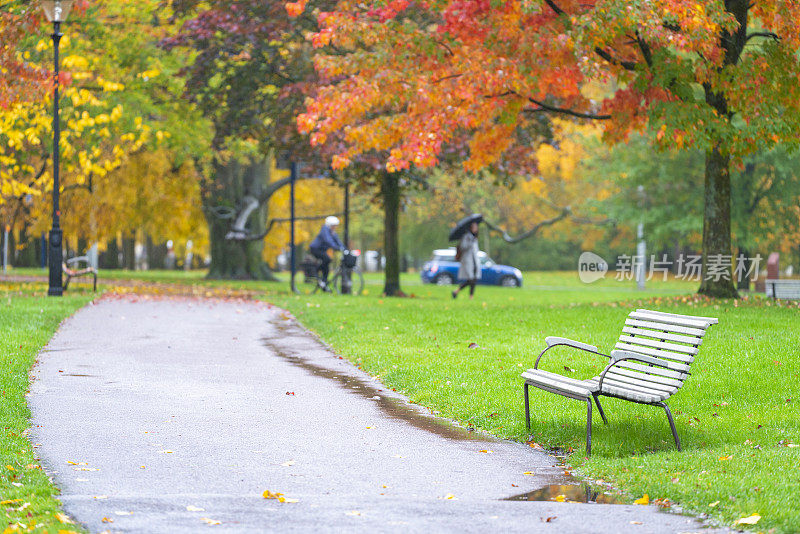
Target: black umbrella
x=463, y=225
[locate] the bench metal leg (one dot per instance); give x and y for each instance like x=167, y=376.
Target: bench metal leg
x=602, y=413
x=527, y=408
x=672, y=425
x=66, y=282
x=94, y=285
x=588, y=427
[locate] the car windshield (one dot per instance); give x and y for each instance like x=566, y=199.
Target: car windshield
x=450, y=255
x=444, y=256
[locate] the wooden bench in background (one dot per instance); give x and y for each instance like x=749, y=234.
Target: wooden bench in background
x=783, y=289
x=79, y=266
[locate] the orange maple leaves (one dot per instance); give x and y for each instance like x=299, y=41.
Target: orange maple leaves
x=409, y=80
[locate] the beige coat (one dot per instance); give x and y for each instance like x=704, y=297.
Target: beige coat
x=470, y=268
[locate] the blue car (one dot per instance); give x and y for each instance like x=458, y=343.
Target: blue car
x=442, y=269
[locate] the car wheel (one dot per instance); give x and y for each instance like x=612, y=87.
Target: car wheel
x=509, y=281
x=444, y=279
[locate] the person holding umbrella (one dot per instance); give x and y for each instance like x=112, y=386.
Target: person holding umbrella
x=469, y=270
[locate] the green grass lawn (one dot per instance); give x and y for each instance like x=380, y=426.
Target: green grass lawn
x=27, y=322
x=736, y=415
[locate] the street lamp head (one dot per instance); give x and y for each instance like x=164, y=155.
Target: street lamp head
x=57, y=10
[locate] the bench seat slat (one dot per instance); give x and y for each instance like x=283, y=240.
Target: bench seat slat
x=645, y=375
x=681, y=359
x=629, y=394
x=626, y=384
x=674, y=347
x=663, y=336
x=668, y=327
x=570, y=385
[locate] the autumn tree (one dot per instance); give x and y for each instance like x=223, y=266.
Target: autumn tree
x=250, y=63
x=720, y=76
x=19, y=80
x=128, y=139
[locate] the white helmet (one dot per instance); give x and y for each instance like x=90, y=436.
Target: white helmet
x=331, y=221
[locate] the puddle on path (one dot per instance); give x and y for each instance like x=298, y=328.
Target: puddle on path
x=392, y=407
x=582, y=493
x=412, y=415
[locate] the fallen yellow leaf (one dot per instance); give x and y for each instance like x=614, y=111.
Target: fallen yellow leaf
x=277, y=496
x=210, y=521
x=165, y=452
x=353, y=512
x=450, y=497
x=288, y=464
x=713, y=504
x=528, y=473
x=11, y=501
x=644, y=500
x=10, y=468
x=487, y=451
x=750, y=520
x=191, y=508
x=560, y=498
x=107, y=520
x=724, y=458
x=63, y=518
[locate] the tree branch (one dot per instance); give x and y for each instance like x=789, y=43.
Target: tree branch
x=554, y=7
x=565, y=111
x=768, y=35
x=565, y=212
x=627, y=65
x=245, y=236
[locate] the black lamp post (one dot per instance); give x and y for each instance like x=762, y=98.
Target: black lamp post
x=56, y=12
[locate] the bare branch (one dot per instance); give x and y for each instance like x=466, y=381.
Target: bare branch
x=546, y=107
x=768, y=35
x=627, y=65
x=554, y=7
x=528, y=233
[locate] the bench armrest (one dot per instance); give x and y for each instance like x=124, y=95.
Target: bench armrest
x=554, y=341
x=77, y=259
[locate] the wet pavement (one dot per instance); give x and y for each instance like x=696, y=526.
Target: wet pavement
x=176, y=415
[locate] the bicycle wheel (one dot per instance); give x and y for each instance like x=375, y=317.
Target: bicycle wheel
x=356, y=282
x=336, y=282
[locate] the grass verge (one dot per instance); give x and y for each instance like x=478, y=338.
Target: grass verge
x=28, y=320
x=738, y=415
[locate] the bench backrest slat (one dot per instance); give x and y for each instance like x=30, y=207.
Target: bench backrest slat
x=672, y=338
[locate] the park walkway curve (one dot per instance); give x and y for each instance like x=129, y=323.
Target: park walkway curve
x=174, y=415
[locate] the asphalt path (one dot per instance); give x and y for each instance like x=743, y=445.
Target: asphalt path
x=175, y=415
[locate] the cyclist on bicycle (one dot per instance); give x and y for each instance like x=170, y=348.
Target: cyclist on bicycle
x=326, y=239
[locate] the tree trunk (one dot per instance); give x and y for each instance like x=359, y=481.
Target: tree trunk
x=390, y=192
x=129, y=251
x=744, y=281
x=717, y=272
x=230, y=183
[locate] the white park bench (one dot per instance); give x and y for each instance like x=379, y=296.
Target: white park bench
x=783, y=289
x=650, y=362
